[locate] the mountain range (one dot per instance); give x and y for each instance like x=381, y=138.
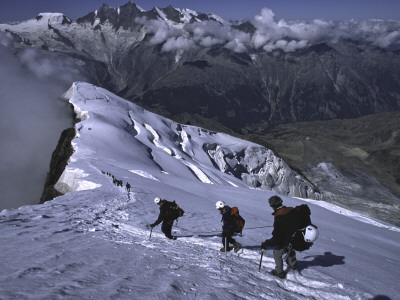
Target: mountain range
x=324, y=96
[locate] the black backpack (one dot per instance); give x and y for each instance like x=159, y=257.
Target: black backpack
x=174, y=210
x=300, y=219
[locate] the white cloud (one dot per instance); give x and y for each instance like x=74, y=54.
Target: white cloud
x=210, y=33
x=160, y=29
x=271, y=34
x=209, y=41
x=5, y=39
x=387, y=40
x=49, y=66
x=284, y=45
x=175, y=44
x=267, y=18
x=31, y=83
x=236, y=46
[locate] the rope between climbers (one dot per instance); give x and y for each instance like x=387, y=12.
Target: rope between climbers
x=245, y=228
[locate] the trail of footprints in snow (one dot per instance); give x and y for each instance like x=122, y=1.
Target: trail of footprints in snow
x=246, y=262
x=204, y=256
x=110, y=218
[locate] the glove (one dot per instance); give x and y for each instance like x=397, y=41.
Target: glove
x=264, y=245
x=152, y=225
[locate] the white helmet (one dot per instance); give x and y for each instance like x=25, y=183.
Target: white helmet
x=157, y=200
x=311, y=234
x=219, y=205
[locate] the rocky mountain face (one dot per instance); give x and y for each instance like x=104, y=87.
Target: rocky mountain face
x=242, y=91
x=354, y=161
x=201, y=69
x=260, y=168
x=127, y=50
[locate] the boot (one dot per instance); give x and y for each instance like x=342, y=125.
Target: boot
x=223, y=249
x=292, y=266
x=281, y=275
x=236, y=247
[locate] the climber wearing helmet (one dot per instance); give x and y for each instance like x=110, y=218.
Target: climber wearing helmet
x=169, y=212
x=227, y=227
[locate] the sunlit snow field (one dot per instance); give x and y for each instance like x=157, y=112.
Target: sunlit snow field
x=93, y=242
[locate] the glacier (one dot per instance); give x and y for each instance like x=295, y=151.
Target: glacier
x=196, y=148
x=93, y=241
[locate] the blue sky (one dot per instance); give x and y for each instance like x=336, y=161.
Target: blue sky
x=336, y=10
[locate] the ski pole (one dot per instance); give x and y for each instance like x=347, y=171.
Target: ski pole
x=262, y=253
x=151, y=230
x=226, y=246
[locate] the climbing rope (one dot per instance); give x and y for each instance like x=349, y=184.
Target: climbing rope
x=258, y=227
x=220, y=231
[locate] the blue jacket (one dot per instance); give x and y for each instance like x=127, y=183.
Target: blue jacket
x=227, y=219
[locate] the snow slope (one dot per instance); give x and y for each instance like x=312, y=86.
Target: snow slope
x=93, y=242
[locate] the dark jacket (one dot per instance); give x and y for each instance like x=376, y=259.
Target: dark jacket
x=283, y=228
x=228, y=221
x=165, y=213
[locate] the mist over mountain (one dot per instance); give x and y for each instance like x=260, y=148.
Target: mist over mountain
x=264, y=71
x=246, y=79
x=31, y=118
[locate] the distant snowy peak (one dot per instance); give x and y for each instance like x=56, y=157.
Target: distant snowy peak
x=182, y=29
x=42, y=22
x=122, y=16
x=53, y=18
x=125, y=15
x=188, y=14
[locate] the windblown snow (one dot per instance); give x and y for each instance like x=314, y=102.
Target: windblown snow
x=93, y=241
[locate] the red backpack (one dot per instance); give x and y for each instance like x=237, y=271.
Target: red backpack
x=238, y=221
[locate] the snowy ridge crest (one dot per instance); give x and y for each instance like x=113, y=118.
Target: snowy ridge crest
x=112, y=127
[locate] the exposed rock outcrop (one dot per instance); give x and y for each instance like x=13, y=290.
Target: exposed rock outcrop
x=59, y=161
x=261, y=168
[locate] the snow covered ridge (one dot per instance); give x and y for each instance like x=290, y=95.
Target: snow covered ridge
x=112, y=129
x=41, y=23
x=93, y=241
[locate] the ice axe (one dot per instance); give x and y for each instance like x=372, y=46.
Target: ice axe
x=262, y=253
